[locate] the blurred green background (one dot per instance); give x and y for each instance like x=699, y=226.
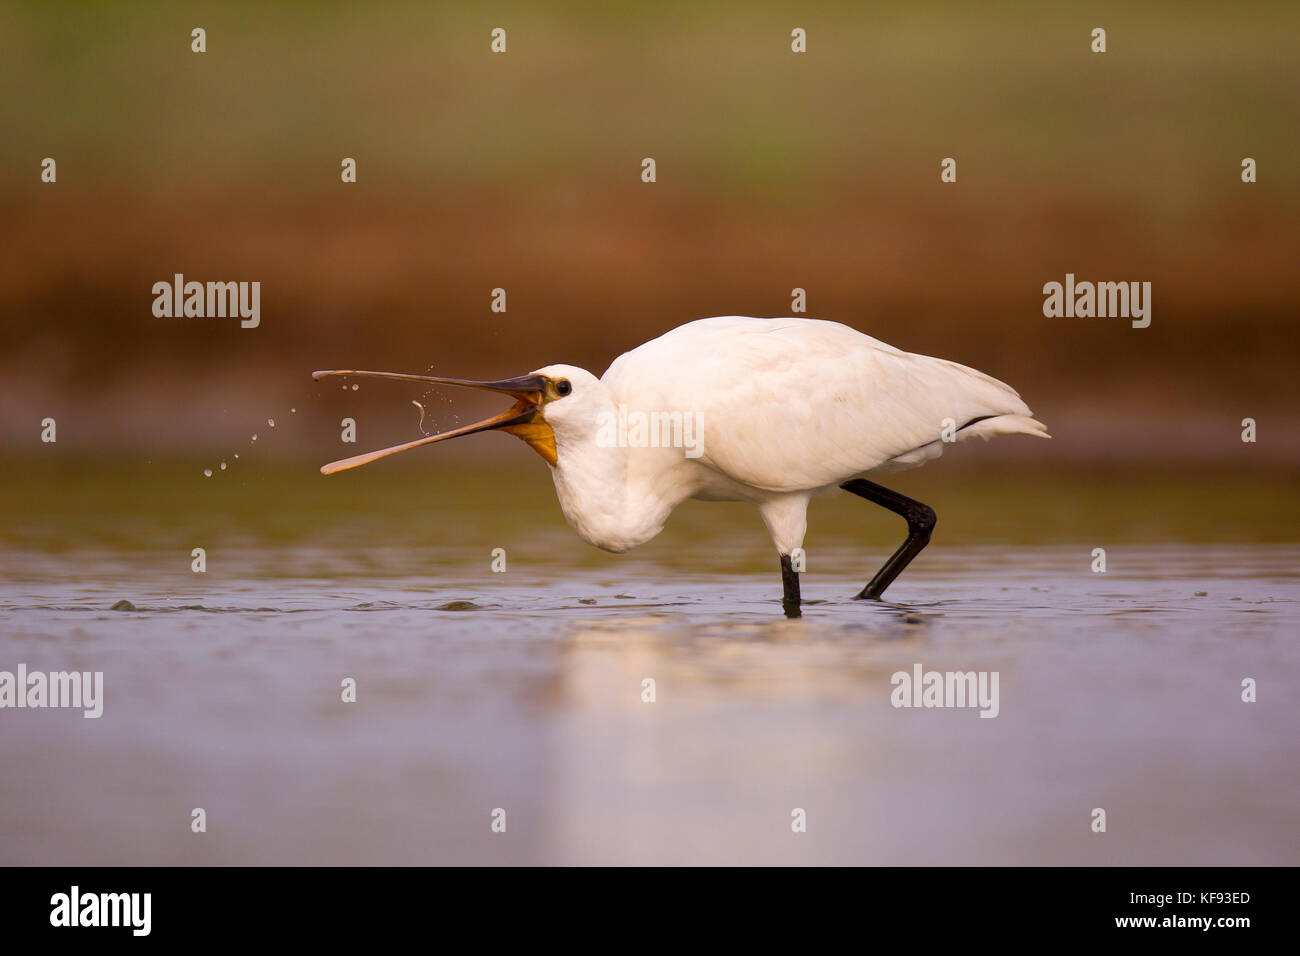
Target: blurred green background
x=522, y=171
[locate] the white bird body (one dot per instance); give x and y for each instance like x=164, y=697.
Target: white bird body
x=782, y=409
x=789, y=408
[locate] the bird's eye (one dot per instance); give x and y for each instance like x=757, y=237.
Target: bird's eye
x=562, y=387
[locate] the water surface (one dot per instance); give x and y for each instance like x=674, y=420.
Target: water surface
x=523, y=691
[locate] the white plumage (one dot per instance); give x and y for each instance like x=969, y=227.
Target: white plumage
x=788, y=408
x=842, y=403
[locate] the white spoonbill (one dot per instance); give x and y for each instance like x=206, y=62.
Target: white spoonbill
x=778, y=410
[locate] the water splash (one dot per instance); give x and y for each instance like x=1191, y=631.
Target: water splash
x=421, y=408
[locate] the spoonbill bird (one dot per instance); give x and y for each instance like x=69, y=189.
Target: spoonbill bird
x=780, y=410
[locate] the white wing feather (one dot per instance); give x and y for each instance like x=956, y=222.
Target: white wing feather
x=808, y=403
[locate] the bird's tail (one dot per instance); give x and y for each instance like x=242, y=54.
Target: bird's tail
x=985, y=428
x=1004, y=411
x=1004, y=425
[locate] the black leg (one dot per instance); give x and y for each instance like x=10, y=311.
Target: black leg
x=790, y=583
x=920, y=522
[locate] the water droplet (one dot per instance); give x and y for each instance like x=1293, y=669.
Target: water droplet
x=271, y=422
x=236, y=454
x=223, y=466
x=254, y=436
x=355, y=387
x=293, y=411
x=207, y=472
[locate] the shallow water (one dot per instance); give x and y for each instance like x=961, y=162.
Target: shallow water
x=523, y=691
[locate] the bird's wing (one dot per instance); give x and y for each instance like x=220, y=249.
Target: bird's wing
x=796, y=404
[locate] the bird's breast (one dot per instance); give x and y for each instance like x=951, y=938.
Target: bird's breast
x=617, y=508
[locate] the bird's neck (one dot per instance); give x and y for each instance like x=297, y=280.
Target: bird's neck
x=607, y=498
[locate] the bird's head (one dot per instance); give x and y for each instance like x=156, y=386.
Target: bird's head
x=558, y=396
